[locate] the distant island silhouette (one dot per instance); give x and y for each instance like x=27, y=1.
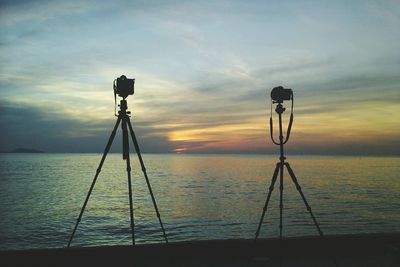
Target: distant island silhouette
x=25, y=150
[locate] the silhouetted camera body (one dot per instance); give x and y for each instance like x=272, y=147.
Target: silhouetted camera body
x=280, y=94
x=124, y=86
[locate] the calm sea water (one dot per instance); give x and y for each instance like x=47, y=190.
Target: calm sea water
x=199, y=197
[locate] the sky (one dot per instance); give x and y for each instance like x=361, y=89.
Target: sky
x=204, y=71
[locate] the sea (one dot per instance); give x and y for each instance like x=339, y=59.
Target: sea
x=200, y=197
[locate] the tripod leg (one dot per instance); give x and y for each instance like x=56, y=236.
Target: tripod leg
x=280, y=200
x=128, y=170
x=307, y=205
x=271, y=188
x=303, y=197
x=135, y=143
x=106, y=150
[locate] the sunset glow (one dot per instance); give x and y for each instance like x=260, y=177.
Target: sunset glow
x=203, y=74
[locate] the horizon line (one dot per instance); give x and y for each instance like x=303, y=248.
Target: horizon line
x=217, y=153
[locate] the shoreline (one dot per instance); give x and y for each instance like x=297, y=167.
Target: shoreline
x=348, y=250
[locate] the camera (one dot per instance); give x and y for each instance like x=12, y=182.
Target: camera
x=124, y=86
x=280, y=94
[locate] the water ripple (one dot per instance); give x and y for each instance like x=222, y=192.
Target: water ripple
x=199, y=197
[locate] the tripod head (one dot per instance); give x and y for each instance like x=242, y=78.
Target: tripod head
x=123, y=106
x=278, y=96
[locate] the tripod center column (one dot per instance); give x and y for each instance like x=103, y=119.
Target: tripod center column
x=123, y=106
x=280, y=109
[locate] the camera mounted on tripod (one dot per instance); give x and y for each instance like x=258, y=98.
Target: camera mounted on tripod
x=278, y=95
x=123, y=87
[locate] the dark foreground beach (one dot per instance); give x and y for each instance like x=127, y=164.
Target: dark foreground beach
x=347, y=250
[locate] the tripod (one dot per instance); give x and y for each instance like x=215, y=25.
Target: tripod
x=124, y=119
x=279, y=170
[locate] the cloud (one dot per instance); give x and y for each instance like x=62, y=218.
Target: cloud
x=42, y=128
x=203, y=71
